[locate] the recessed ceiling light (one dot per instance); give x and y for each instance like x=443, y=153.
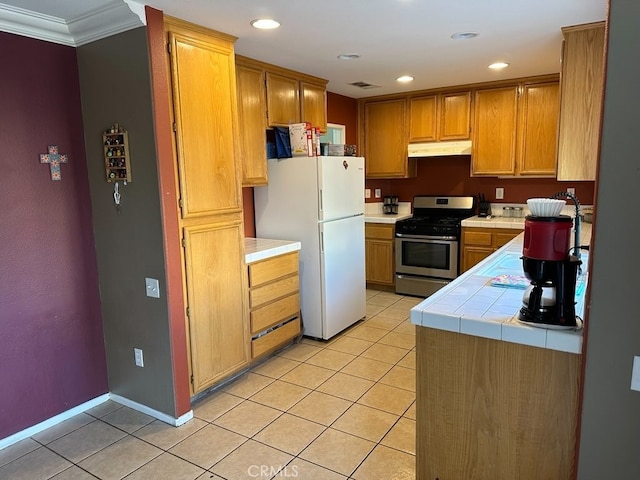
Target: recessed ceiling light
x=348, y=56
x=498, y=65
x=464, y=35
x=265, y=23
x=405, y=79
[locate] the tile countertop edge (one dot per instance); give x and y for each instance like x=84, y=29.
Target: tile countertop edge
x=483, y=315
x=385, y=218
x=262, y=248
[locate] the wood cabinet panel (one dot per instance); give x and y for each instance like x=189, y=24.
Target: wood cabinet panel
x=218, y=333
x=581, y=96
x=494, y=127
x=275, y=312
x=283, y=100
x=379, y=250
x=313, y=107
x=252, y=117
x=455, y=116
x=275, y=338
x=423, y=119
x=272, y=268
x=280, y=288
x=386, y=140
x=494, y=409
x=205, y=115
x=538, y=122
x=479, y=243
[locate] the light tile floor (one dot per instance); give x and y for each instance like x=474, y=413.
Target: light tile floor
x=342, y=409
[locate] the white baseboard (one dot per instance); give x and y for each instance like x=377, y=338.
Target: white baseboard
x=50, y=422
x=163, y=417
x=61, y=417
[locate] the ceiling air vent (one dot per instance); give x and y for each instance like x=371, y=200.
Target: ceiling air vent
x=364, y=85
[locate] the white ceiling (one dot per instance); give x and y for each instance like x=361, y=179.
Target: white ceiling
x=392, y=37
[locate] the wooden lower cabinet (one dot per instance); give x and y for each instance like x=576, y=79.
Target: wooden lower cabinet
x=479, y=243
x=274, y=301
x=489, y=409
x=379, y=248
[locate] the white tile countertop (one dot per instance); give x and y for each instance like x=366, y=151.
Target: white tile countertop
x=499, y=221
x=262, y=248
x=470, y=305
x=373, y=213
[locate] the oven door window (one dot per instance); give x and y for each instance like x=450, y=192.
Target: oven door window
x=428, y=258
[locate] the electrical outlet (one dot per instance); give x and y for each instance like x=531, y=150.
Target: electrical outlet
x=367, y=193
x=499, y=193
x=378, y=193
x=137, y=353
x=571, y=190
x=153, y=287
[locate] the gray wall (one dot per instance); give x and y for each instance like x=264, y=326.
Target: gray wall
x=115, y=87
x=610, y=436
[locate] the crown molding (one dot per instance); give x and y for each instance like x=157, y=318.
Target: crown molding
x=114, y=17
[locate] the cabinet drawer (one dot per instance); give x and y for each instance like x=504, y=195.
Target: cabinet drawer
x=272, y=268
x=478, y=238
x=274, y=313
x=378, y=230
x=273, y=290
x=504, y=238
x=275, y=338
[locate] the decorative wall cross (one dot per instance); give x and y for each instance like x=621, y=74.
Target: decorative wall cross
x=54, y=159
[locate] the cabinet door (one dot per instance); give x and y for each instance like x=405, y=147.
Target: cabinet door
x=539, y=129
x=379, y=261
x=455, y=116
x=218, y=334
x=423, y=116
x=283, y=100
x=252, y=117
x=474, y=255
x=386, y=142
x=581, y=102
x=314, y=105
x=494, y=131
x=205, y=114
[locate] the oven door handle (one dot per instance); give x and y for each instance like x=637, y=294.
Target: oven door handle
x=427, y=237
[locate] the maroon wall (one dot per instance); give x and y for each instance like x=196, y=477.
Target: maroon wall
x=51, y=346
x=450, y=176
x=344, y=111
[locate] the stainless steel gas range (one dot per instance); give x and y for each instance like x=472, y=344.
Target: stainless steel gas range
x=427, y=245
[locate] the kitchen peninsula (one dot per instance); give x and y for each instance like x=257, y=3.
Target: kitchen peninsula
x=495, y=398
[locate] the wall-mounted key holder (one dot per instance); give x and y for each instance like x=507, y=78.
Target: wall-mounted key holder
x=116, y=154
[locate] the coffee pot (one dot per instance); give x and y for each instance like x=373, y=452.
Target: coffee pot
x=550, y=298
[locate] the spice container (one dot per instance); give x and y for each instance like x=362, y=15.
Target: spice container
x=518, y=212
x=507, y=212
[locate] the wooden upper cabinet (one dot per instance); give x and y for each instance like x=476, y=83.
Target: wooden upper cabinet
x=252, y=117
x=440, y=117
x=582, y=80
x=314, y=105
x=283, y=100
x=205, y=115
x=538, y=127
x=423, y=119
x=455, y=116
x=494, y=131
x=386, y=140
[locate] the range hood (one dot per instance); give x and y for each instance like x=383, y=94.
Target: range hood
x=440, y=149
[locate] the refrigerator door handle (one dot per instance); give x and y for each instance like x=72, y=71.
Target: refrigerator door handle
x=321, y=242
x=321, y=209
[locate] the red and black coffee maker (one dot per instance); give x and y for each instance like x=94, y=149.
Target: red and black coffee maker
x=550, y=298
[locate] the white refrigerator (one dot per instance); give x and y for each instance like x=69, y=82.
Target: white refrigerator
x=319, y=201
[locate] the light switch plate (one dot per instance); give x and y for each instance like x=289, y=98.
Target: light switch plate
x=137, y=353
x=367, y=193
x=153, y=287
x=635, y=374
x=571, y=190
x=378, y=193
x=499, y=193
